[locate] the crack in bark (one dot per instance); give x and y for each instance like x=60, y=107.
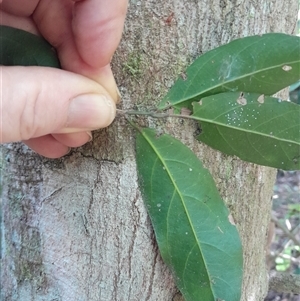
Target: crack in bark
x=152, y=276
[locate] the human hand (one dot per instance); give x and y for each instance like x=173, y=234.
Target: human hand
x=50, y=109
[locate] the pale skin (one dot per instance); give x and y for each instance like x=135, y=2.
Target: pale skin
x=52, y=110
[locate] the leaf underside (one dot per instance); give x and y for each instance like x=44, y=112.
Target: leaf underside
x=263, y=130
x=191, y=222
x=21, y=48
x=262, y=64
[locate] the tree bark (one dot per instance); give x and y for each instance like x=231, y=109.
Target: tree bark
x=285, y=283
x=76, y=228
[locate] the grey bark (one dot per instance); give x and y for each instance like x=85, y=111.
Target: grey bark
x=285, y=283
x=76, y=228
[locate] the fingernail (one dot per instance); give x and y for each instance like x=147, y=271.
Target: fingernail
x=68, y=151
x=90, y=111
x=90, y=135
x=118, y=94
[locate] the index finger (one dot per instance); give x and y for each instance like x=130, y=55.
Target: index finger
x=85, y=33
x=97, y=27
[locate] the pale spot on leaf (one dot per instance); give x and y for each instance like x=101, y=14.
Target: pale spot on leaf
x=242, y=100
x=261, y=98
x=286, y=68
x=220, y=229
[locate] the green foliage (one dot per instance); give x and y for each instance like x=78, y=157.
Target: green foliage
x=257, y=128
x=261, y=64
x=21, y=48
x=284, y=261
x=293, y=210
x=193, y=227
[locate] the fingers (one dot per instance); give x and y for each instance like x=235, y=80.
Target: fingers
x=37, y=101
x=14, y=7
x=73, y=139
x=57, y=145
x=85, y=42
x=48, y=146
x=24, y=23
x=86, y=39
x=97, y=27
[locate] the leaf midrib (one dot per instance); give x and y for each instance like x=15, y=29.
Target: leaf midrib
x=184, y=98
x=244, y=130
x=181, y=198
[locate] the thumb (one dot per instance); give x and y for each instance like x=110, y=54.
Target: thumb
x=36, y=101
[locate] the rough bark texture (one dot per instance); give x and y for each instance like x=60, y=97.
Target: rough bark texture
x=285, y=283
x=76, y=228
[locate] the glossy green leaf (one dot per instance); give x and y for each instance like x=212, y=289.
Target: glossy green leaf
x=19, y=47
x=193, y=228
x=256, y=128
x=261, y=64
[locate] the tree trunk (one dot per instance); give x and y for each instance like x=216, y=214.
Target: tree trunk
x=76, y=228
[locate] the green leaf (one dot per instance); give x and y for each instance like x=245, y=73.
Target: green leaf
x=283, y=263
x=191, y=222
x=256, y=128
x=261, y=64
x=19, y=47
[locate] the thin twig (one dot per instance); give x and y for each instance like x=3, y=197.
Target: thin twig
x=155, y=114
x=285, y=230
x=285, y=243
